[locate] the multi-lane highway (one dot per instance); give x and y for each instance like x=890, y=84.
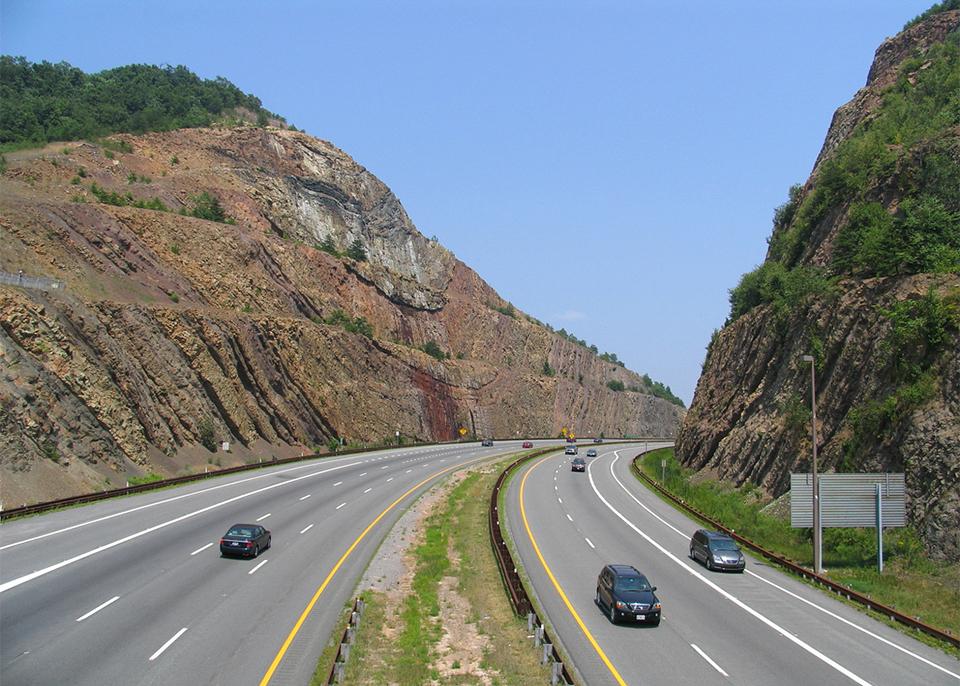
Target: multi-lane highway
x=134, y=591
x=757, y=628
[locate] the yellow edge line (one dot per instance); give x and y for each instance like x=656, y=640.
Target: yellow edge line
x=556, y=584
x=316, y=596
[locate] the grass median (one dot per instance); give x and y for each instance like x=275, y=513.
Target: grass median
x=451, y=623
x=911, y=582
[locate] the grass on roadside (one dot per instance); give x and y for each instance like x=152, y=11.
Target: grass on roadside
x=409, y=656
x=911, y=582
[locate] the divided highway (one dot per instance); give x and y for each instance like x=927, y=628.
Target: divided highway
x=134, y=591
x=757, y=628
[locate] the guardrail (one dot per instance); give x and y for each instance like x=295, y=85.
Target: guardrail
x=805, y=573
x=37, y=508
x=346, y=640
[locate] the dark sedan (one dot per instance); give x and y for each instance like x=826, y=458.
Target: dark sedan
x=626, y=594
x=246, y=540
x=487, y=443
x=578, y=465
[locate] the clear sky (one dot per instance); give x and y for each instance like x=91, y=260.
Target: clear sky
x=609, y=167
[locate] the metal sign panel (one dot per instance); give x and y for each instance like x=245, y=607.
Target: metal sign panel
x=848, y=500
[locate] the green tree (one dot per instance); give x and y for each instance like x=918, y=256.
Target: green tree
x=356, y=251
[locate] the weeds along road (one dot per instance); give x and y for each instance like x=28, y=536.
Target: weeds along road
x=134, y=591
x=757, y=628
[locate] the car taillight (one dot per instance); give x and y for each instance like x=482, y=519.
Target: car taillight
x=249, y=544
x=222, y=541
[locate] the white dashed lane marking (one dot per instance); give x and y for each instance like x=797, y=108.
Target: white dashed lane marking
x=368, y=490
x=338, y=483
x=100, y=607
x=263, y=516
x=168, y=644
x=589, y=542
x=258, y=567
x=340, y=505
x=201, y=549
x=306, y=528
x=306, y=496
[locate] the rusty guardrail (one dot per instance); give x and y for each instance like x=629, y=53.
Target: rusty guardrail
x=839, y=589
x=346, y=640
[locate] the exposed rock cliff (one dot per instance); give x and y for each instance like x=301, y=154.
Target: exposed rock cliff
x=862, y=273
x=173, y=330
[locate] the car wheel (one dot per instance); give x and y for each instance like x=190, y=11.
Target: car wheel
x=692, y=556
x=256, y=551
x=599, y=604
x=270, y=542
x=613, y=614
x=708, y=564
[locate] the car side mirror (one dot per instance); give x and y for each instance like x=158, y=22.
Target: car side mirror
x=653, y=588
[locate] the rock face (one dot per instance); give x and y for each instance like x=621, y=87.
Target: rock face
x=172, y=332
x=750, y=416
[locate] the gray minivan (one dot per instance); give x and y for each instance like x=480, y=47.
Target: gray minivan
x=716, y=551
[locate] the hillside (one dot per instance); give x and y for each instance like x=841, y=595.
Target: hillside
x=863, y=273
x=255, y=285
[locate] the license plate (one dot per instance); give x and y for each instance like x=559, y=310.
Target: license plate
x=640, y=618
x=234, y=544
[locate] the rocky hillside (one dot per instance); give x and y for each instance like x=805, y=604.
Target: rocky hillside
x=257, y=286
x=863, y=273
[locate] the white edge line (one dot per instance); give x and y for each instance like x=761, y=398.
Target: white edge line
x=729, y=596
x=258, y=567
x=707, y=658
x=98, y=608
x=13, y=583
x=201, y=549
x=168, y=644
x=306, y=529
x=801, y=598
x=167, y=500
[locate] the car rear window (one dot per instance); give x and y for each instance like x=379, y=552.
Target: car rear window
x=240, y=532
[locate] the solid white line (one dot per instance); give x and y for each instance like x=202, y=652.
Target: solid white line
x=590, y=543
x=168, y=644
x=13, y=583
x=338, y=483
x=306, y=496
x=570, y=518
x=707, y=658
x=264, y=516
x=729, y=596
x=201, y=549
x=794, y=595
x=855, y=626
x=306, y=529
x=167, y=500
x=340, y=505
x=368, y=490
x=258, y=567
x=98, y=608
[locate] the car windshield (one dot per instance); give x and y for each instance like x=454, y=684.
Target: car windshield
x=240, y=531
x=632, y=583
x=723, y=544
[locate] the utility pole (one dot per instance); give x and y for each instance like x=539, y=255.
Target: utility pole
x=817, y=533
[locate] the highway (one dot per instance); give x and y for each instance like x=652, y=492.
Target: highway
x=133, y=590
x=758, y=628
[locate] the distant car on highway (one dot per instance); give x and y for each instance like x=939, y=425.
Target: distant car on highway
x=571, y=450
x=592, y=452
x=717, y=551
x=528, y=444
x=487, y=443
x=598, y=440
x=626, y=594
x=578, y=465
x=246, y=540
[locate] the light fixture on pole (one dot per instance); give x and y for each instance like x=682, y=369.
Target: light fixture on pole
x=817, y=532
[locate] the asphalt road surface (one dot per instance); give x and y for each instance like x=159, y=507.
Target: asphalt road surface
x=757, y=628
x=134, y=590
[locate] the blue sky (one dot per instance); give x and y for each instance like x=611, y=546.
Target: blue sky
x=609, y=167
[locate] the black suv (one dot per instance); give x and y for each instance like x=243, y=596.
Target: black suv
x=626, y=594
x=487, y=443
x=716, y=550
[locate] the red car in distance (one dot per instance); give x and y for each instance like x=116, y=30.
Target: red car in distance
x=528, y=444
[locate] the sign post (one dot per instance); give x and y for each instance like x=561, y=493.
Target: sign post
x=880, y=528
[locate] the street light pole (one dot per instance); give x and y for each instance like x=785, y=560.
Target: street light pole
x=817, y=533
